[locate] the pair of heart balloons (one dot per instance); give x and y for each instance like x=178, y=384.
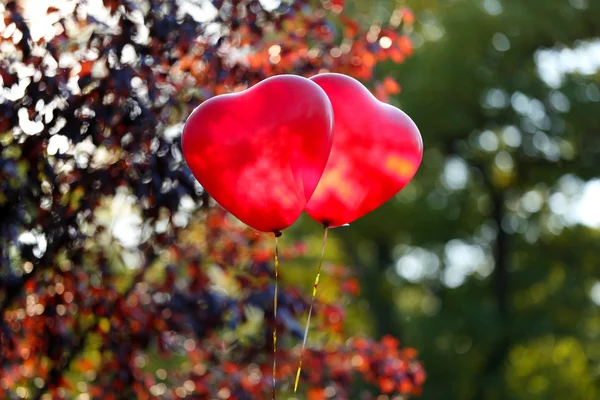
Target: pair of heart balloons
x=288, y=144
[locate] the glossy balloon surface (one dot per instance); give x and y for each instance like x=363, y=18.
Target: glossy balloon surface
x=260, y=153
x=377, y=149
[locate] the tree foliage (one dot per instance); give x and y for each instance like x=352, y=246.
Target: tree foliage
x=484, y=259
x=119, y=278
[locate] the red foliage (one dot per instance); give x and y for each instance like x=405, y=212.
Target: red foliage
x=93, y=111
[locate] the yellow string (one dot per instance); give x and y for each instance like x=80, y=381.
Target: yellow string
x=277, y=234
x=312, y=302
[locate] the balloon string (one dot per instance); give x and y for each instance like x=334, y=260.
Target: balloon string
x=277, y=234
x=312, y=302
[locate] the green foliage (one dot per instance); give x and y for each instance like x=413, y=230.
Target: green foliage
x=478, y=262
x=550, y=368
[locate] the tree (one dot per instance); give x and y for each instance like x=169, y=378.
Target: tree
x=174, y=300
x=479, y=258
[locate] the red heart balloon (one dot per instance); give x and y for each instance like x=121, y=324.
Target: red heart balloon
x=376, y=151
x=260, y=153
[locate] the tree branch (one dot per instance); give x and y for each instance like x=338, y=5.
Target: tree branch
x=500, y=281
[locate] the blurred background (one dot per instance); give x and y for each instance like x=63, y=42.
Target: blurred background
x=115, y=284
x=486, y=262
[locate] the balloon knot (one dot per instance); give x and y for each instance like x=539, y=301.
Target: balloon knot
x=277, y=233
